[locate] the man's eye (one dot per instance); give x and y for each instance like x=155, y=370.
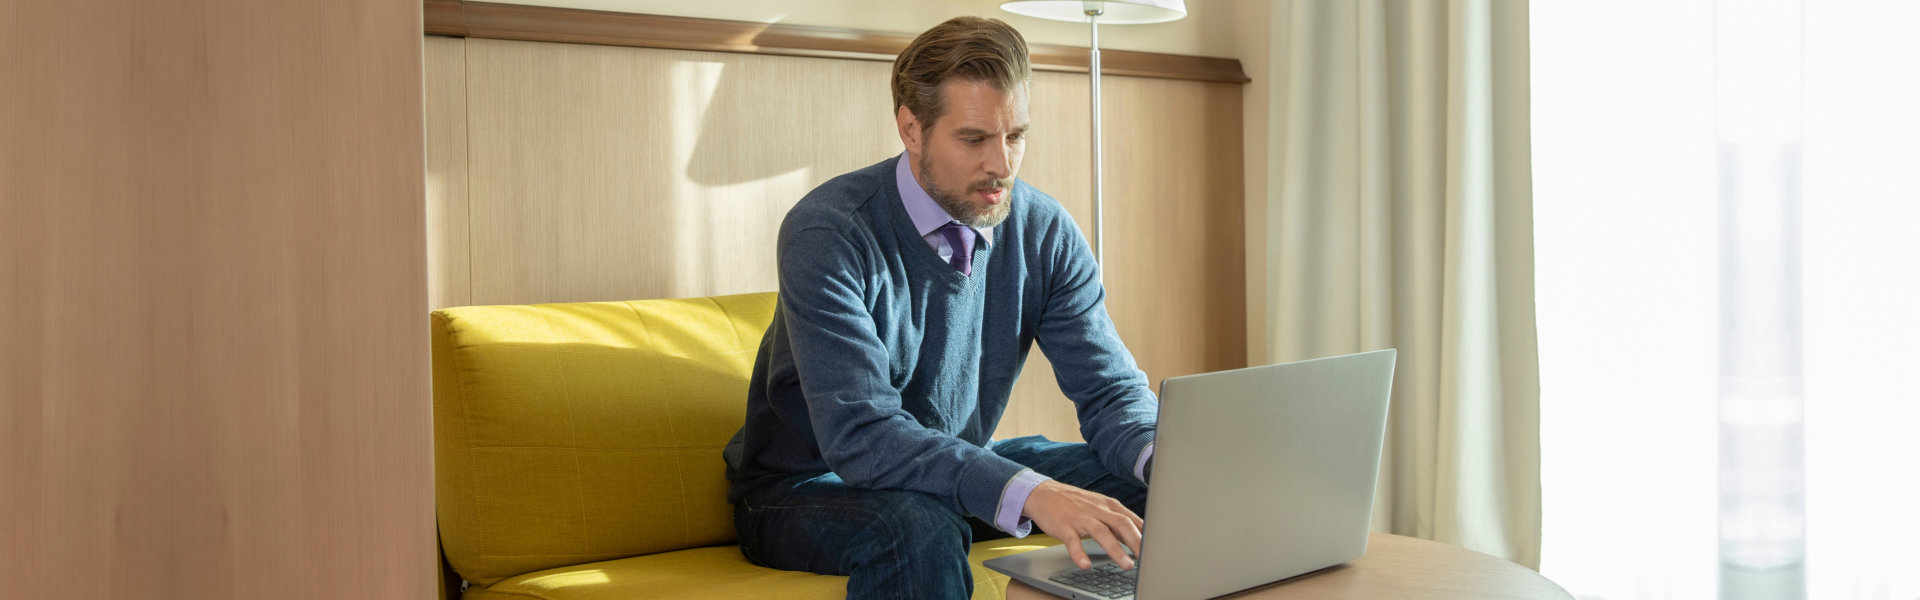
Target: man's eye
x=1015, y=137
x=974, y=141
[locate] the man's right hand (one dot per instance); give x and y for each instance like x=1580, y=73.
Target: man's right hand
x=1071, y=513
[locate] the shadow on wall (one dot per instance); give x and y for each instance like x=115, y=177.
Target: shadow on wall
x=770, y=129
x=767, y=118
x=611, y=173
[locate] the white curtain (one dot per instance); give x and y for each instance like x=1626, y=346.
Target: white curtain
x=1634, y=122
x=1399, y=215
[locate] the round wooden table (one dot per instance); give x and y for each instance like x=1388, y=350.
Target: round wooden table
x=1396, y=567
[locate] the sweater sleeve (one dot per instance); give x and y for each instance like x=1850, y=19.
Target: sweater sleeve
x=863, y=433
x=1116, y=409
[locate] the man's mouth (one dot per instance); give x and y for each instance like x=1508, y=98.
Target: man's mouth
x=992, y=196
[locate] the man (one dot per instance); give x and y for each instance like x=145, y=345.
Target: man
x=910, y=293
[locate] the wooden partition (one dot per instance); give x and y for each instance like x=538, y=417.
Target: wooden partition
x=575, y=172
x=213, y=344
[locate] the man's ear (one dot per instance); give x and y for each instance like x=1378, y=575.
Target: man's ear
x=909, y=127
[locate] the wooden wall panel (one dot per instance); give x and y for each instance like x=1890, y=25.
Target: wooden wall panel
x=1175, y=258
x=609, y=173
x=602, y=172
x=449, y=281
x=213, y=360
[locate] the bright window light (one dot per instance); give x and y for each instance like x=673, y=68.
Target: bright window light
x=1627, y=260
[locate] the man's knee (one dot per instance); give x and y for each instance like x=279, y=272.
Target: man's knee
x=922, y=521
x=883, y=530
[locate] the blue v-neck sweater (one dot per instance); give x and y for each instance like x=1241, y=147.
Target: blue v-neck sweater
x=889, y=368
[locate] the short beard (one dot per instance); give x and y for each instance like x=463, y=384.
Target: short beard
x=967, y=213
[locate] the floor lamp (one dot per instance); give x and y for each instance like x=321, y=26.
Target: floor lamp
x=1111, y=12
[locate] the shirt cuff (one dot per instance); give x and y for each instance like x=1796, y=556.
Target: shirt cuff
x=1014, y=501
x=1141, y=468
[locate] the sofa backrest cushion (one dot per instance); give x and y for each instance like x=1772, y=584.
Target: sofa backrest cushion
x=573, y=433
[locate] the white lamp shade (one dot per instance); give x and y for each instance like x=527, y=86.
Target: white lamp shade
x=1117, y=12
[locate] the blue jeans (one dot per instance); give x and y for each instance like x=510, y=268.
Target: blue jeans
x=898, y=543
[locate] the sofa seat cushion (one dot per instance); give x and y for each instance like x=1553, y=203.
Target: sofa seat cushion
x=716, y=573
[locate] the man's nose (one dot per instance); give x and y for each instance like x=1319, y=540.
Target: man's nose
x=998, y=159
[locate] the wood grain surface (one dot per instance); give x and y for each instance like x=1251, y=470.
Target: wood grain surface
x=213, y=357
x=449, y=280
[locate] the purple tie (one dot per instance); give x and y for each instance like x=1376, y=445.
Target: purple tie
x=960, y=239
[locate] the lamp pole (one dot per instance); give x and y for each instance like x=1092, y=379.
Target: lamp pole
x=1094, y=10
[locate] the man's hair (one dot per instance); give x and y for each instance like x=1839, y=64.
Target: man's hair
x=966, y=48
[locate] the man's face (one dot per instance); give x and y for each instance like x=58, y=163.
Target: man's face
x=967, y=160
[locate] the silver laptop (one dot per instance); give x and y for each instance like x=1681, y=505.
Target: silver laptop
x=1259, y=475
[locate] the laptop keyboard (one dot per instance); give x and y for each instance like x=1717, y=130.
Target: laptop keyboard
x=1105, y=581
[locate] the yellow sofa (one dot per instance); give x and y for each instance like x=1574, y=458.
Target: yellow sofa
x=577, y=452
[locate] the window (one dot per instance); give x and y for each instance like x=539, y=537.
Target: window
x=1628, y=260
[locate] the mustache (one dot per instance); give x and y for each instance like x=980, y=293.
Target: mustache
x=992, y=185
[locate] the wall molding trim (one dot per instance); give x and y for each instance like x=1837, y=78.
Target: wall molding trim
x=459, y=18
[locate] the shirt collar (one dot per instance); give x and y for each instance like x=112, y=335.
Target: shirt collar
x=926, y=213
